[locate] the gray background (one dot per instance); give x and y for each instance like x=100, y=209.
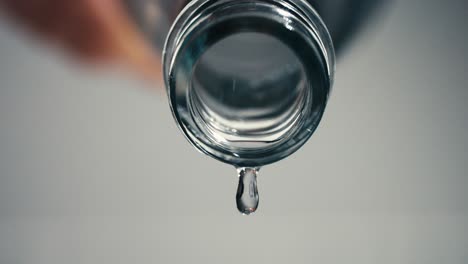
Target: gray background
x=94, y=170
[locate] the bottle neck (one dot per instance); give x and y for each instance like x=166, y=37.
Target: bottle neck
x=241, y=74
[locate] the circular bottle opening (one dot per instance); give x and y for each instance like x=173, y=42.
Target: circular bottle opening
x=248, y=80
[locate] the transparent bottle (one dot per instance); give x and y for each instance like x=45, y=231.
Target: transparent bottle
x=247, y=80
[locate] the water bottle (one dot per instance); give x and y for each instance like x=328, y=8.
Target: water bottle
x=247, y=80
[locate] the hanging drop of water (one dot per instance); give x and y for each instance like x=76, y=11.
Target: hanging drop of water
x=247, y=193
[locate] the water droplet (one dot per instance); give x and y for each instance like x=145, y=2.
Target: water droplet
x=247, y=193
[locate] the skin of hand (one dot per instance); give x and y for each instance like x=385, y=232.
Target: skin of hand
x=95, y=31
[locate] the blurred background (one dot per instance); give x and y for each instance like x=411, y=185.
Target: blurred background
x=94, y=170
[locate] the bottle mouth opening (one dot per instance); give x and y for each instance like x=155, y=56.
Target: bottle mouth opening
x=248, y=80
